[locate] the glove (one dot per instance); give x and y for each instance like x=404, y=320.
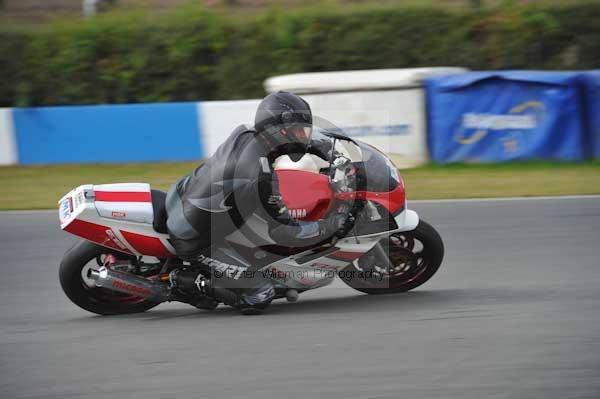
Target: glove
x=341, y=180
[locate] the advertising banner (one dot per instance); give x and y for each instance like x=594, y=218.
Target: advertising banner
x=592, y=106
x=506, y=115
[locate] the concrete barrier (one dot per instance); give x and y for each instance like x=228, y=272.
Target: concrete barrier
x=385, y=108
x=218, y=119
x=108, y=133
x=8, y=150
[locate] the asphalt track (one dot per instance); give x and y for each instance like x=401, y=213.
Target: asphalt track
x=513, y=313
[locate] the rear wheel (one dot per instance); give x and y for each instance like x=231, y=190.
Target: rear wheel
x=414, y=257
x=83, y=292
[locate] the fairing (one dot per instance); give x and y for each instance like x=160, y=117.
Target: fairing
x=308, y=194
x=117, y=216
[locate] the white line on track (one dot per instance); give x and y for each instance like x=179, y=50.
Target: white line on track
x=30, y=212
x=500, y=199
x=429, y=201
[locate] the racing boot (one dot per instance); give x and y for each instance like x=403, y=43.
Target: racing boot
x=255, y=300
x=205, y=293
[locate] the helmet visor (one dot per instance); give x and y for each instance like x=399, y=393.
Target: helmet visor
x=296, y=133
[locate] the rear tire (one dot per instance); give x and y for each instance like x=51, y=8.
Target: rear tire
x=87, y=296
x=416, y=265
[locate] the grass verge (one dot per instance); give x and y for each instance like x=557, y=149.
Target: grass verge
x=40, y=187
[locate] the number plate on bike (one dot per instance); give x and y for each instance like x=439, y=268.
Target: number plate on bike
x=65, y=209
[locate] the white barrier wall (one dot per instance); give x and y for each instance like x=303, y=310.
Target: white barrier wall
x=8, y=148
x=393, y=120
x=217, y=120
x=384, y=108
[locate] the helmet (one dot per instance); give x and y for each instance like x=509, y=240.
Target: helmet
x=284, y=121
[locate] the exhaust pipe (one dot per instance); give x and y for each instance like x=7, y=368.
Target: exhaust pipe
x=156, y=292
x=129, y=284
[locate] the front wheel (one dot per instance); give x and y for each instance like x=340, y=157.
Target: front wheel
x=399, y=263
x=83, y=292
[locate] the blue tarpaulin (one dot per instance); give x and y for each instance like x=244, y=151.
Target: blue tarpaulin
x=591, y=81
x=499, y=116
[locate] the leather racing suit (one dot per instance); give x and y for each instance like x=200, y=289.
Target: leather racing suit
x=218, y=196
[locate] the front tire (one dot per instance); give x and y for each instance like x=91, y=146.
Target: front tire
x=415, y=256
x=84, y=293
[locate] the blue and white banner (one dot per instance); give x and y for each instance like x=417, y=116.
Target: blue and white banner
x=506, y=115
x=108, y=133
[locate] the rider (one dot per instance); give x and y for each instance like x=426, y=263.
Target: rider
x=236, y=182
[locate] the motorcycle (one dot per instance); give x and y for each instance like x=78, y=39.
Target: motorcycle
x=126, y=263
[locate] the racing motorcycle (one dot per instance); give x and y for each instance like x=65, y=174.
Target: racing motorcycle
x=126, y=264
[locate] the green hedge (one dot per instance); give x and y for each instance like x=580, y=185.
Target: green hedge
x=199, y=55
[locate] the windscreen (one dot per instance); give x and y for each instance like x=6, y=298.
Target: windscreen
x=376, y=172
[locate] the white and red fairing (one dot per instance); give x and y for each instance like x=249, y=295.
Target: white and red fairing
x=117, y=216
x=120, y=216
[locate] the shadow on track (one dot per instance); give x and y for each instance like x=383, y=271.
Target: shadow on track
x=438, y=300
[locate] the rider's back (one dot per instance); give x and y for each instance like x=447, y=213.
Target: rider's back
x=200, y=206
